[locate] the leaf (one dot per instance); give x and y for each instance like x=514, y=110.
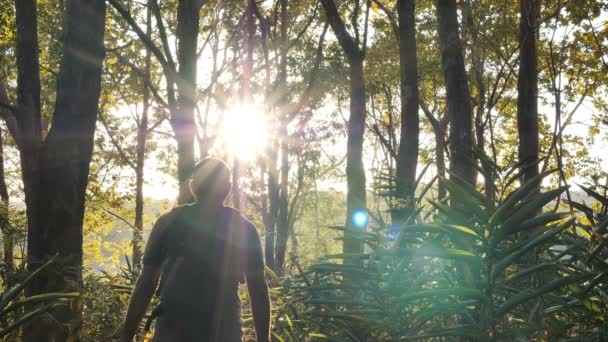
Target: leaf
x=529, y=270
x=466, y=292
x=603, y=200
x=466, y=196
x=530, y=207
x=427, y=251
x=464, y=331
x=526, y=295
x=540, y=220
x=521, y=250
x=11, y=293
x=270, y=273
x=441, y=229
x=506, y=208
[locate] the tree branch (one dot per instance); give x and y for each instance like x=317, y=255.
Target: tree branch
x=141, y=34
x=390, y=16
x=337, y=25
x=121, y=152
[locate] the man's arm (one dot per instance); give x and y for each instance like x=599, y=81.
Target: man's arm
x=153, y=258
x=258, y=291
x=140, y=299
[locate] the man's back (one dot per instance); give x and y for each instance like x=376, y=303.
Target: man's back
x=203, y=259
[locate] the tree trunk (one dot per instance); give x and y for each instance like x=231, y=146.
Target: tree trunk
x=55, y=172
x=140, y=155
x=182, y=120
x=527, y=88
x=440, y=160
x=274, y=197
x=407, y=158
x=457, y=91
x=284, y=212
x=7, y=236
x=355, y=172
x=283, y=219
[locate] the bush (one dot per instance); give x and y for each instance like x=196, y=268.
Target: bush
x=474, y=270
x=104, y=310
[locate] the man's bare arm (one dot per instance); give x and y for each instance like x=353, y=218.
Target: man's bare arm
x=260, y=306
x=258, y=290
x=148, y=280
x=140, y=299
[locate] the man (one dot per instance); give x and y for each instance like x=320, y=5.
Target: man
x=201, y=252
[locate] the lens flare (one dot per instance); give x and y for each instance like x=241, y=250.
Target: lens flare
x=360, y=218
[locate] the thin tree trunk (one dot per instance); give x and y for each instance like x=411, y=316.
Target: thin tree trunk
x=283, y=214
x=355, y=172
x=440, y=161
x=407, y=158
x=56, y=174
x=182, y=120
x=274, y=196
x=457, y=90
x=283, y=219
x=142, y=135
x=527, y=88
x=7, y=237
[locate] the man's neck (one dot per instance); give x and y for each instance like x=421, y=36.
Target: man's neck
x=208, y=207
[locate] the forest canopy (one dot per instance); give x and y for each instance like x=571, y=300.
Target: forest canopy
x=416, y=169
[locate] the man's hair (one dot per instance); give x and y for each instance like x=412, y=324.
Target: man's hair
x=211, y=176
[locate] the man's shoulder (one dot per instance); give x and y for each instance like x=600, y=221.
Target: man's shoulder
x=172, y=215
x=236, y=216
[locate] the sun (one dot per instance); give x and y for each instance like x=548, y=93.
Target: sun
x=245, y=131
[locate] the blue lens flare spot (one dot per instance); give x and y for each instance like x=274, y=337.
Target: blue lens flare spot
x=360, y=218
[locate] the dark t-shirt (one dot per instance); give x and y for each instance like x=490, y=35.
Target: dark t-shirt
x=203, y=259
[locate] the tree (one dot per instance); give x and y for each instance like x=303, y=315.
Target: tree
x=527, y=88
x=55, y=167
x=354, y=49
x=407, y=158
x=181, y=105
x=459, y=108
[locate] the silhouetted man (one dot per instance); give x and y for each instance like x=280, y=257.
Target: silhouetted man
x=201, y=252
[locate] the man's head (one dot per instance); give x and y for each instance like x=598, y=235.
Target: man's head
x=211, y=180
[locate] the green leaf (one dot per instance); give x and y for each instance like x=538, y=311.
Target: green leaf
x=603, y=200
x=529, y=270
x=11, y=293
x=465, y=292
x=527, y=294
x=506, y=208
x=463, y=331
x=427, y=251
x=540, y=220
x=521, y=250
x=440, y=229
x=529, y=208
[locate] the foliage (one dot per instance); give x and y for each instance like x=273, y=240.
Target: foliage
x=472, y=270
x=16, y=310
x=104, y=309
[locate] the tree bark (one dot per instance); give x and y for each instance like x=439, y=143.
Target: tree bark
x=355, y=172
x=459, y=108
x=182, y=120
x=55, y=172
x=527, y=88
x=7, y=236
x=274, y=197
x=140, y=155
x=440, y=160
x=407, y=158
x=283, y=219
